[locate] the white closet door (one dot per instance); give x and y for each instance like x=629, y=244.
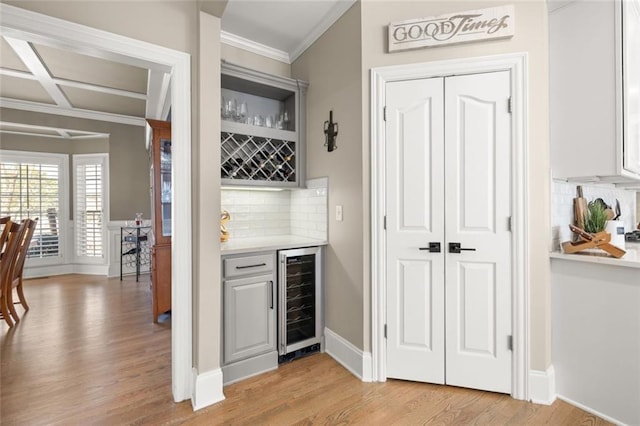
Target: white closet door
x=477, y=205
x=448, y=181
x=415, y=217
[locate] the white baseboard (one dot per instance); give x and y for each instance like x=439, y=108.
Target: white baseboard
x=46, y=271
x=90, y=269
x=542, y=386
x=68, y=268
x=207, y=388
x=353, y=359
x=591, y=410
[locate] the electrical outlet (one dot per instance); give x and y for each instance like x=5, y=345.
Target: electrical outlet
x=339, y=213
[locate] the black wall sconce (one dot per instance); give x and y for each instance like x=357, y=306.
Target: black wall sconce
x=330, y=133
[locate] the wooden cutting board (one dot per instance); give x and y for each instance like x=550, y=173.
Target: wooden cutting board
x=579, y=208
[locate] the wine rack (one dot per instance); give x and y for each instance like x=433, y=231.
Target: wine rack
x=253, y=158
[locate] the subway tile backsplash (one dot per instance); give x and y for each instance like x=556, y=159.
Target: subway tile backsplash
x=309, y=210
x=256, y=213
x=563, y=193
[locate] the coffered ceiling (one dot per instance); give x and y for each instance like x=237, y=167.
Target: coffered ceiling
x=50, y=78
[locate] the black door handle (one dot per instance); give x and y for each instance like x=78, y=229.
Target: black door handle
x=455, y=248
x=433, y=248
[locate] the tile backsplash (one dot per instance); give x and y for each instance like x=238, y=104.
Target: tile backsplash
x=259, y=213
x=309, y=210
x=562, y=195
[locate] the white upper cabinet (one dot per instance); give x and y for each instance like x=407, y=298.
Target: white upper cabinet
x=631, y=82
x=594, y=61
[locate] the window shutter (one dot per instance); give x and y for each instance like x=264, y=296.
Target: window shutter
x=29, y=189
x=89, y=214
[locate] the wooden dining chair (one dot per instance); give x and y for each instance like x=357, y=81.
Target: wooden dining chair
x=5, y=222
x=7, y=263
x=18, y=268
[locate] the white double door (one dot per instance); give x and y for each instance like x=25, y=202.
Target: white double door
x=448, y=159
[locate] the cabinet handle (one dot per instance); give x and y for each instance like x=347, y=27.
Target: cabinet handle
x=251, y=266
x=271, y=290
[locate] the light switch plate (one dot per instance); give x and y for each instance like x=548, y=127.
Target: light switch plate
x=339, y=213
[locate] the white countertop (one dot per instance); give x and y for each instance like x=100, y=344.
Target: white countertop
x=630, y=260
x=277, y=242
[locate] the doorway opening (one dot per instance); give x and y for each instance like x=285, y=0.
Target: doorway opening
x=46, y=30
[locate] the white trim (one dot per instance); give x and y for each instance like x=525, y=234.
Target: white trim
x=159, y=90
x=591, y=410
x=47, y=270
x=516, y=64
x=542, y=386
x=78, y=84
x=339, y=9
x=64, y=269
x=71, y=112
x=83, y=133
x=254, y=47
x=28, y=56
x=351, y=358
x=55, y=32
x=207, y=388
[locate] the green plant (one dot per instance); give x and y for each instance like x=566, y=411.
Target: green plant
x=595, y=219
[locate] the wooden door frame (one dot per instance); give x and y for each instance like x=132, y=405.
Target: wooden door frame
x=516, y=64
x=71, y=36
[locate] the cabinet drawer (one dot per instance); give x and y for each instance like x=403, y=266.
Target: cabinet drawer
x=248, y=265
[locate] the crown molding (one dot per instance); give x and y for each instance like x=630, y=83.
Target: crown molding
x=71, y=112
x=330, y=18
x=254, y=47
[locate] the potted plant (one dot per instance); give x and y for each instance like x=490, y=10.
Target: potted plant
x=595, y=218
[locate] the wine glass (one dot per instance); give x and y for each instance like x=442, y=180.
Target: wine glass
x=233, y=108
x=224, y=108
x=242, y=111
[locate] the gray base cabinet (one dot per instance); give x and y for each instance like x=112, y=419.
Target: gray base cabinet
x=249, y=317
x=250, y=309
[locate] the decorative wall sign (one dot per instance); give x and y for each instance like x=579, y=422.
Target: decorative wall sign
x=461, y=27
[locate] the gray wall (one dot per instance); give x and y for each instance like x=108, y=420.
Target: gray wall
x=128, y=158
x=333, y=68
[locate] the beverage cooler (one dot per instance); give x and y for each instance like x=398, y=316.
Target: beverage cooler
x=300, y=297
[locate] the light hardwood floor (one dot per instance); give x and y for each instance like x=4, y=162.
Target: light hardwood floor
x=88, y=353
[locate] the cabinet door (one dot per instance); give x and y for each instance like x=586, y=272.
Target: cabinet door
x=161, y=279
x=631, y=87
x=249, y=317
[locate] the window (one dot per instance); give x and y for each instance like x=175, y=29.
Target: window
x=90, y=197
x=34, y=185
